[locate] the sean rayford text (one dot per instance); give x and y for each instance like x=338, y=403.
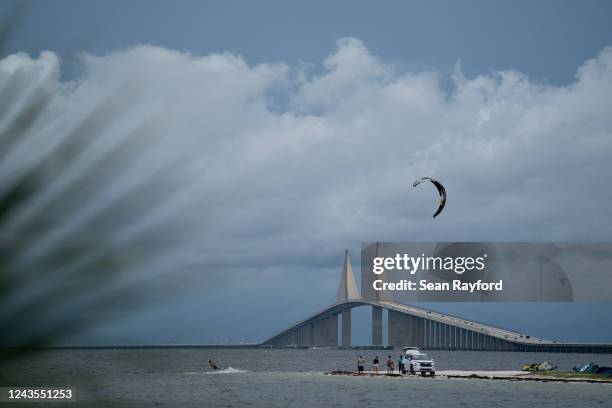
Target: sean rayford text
x=412, y=264
x=423, y=285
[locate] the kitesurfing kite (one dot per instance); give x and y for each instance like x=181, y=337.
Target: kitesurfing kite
x=441, y=191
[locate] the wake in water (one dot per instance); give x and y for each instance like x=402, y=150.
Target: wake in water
x=228, y=370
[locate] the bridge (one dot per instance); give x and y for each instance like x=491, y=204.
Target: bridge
x=409, y=325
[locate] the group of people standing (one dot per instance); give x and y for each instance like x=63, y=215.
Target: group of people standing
x=376, y=365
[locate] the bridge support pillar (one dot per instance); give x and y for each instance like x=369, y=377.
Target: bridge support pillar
x=406, y=330
x=332, y=331
x=346, y=328
x=326, y=332
x=376, y=326
x=400, y=329
x=309, y=334
x=317, y=333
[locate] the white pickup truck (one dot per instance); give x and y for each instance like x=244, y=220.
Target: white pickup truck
x=415, y=361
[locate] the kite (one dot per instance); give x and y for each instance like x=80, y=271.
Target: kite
x=441, y=191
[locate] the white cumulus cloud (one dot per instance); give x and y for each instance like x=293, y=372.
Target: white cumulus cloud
x=253, y=185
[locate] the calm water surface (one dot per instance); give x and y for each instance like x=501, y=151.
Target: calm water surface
x=280, y=378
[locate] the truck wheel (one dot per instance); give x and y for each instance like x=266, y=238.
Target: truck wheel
x=412, y=369
x=433, y=373
x=422, y=373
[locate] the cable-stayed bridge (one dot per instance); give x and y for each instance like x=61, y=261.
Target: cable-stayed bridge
x=410, y=326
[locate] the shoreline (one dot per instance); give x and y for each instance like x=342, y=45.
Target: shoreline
x=483, y=375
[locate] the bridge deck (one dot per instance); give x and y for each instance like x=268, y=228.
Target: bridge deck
x=445, y=319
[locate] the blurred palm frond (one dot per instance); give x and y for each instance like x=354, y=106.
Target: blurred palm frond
x=75, y=246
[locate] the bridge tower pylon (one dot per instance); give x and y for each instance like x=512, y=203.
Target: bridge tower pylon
x=347, y=290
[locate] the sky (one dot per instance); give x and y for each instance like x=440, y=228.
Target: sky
x=271, y=136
